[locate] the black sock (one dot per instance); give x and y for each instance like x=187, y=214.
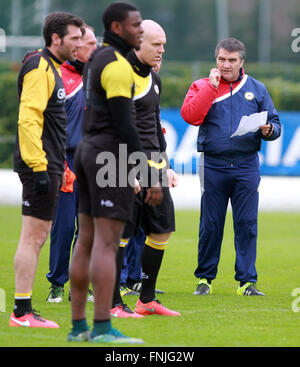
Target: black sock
x=151, y=262
x=22, y=306
x=117, y=299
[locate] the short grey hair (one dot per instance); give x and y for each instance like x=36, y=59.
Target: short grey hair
x=231, y=45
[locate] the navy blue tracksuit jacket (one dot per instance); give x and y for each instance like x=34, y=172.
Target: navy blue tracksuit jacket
x=64, y=228
x=229, y=167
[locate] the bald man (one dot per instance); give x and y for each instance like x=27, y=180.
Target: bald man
x=157, y=222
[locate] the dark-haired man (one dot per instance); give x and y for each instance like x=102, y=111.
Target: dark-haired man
x=103, y=211
x=229, y=164
x=40, y=153
x=64, y=228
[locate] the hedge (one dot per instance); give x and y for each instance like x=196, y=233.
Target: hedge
x=8, y=103
x=282, y=81
x=191, y=70
x=285, y=94
x=8, y=117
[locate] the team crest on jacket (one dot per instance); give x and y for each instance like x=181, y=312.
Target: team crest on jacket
x=249, y=96
x=156, y=89
x=61, y=94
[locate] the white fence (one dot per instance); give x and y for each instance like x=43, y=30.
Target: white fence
x=276, y=193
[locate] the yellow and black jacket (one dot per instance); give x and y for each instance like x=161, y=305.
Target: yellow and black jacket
x=109, y=85
x=147, y=90
x=41, y=136
x=147, y=111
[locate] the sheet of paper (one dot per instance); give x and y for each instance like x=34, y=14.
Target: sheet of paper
x=251, y=123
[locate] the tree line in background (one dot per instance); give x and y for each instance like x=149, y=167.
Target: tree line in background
x=191, y=25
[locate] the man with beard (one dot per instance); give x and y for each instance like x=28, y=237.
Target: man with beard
x=64, y=229
x=40, y=153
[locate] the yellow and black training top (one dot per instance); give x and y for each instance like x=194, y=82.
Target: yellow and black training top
x=147, y=105
x=147, y=111
x=109, y=87
x=41, y=135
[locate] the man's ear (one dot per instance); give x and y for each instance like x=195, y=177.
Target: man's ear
x=56, y=39
x=116, y=27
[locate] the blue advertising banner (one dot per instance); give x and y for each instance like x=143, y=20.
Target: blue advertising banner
x=278, y=158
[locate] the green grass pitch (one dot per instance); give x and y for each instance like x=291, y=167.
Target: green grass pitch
x=222, y=319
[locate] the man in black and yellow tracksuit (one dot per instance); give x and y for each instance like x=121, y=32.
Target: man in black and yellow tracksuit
x=105, y=206
x=40, y=152
x=157, y=222
x=41, y=133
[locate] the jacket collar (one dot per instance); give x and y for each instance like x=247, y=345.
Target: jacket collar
x=50, y=54
x=141, y=69
x=113, y=39
x=76, y=66
x=240, y=77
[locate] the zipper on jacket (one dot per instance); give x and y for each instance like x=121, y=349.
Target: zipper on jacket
x=231, y=164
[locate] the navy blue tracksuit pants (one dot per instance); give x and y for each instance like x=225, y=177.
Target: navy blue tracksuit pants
x=221, y=181
x=63, y=233
x=132, y=267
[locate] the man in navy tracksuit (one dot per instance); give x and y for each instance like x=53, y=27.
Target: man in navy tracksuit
x=64, y=227
x=229, y=165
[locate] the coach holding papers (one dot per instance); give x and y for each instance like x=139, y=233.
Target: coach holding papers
x=229, y=163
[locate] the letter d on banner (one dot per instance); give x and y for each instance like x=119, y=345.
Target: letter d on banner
x=2, y=40
x=2, y=300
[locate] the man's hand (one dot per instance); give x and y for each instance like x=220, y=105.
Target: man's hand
x=154, y=195
x=41, y=182
x=266, y=130
x=172, y=178
x=215, y=77
x=137, y=187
